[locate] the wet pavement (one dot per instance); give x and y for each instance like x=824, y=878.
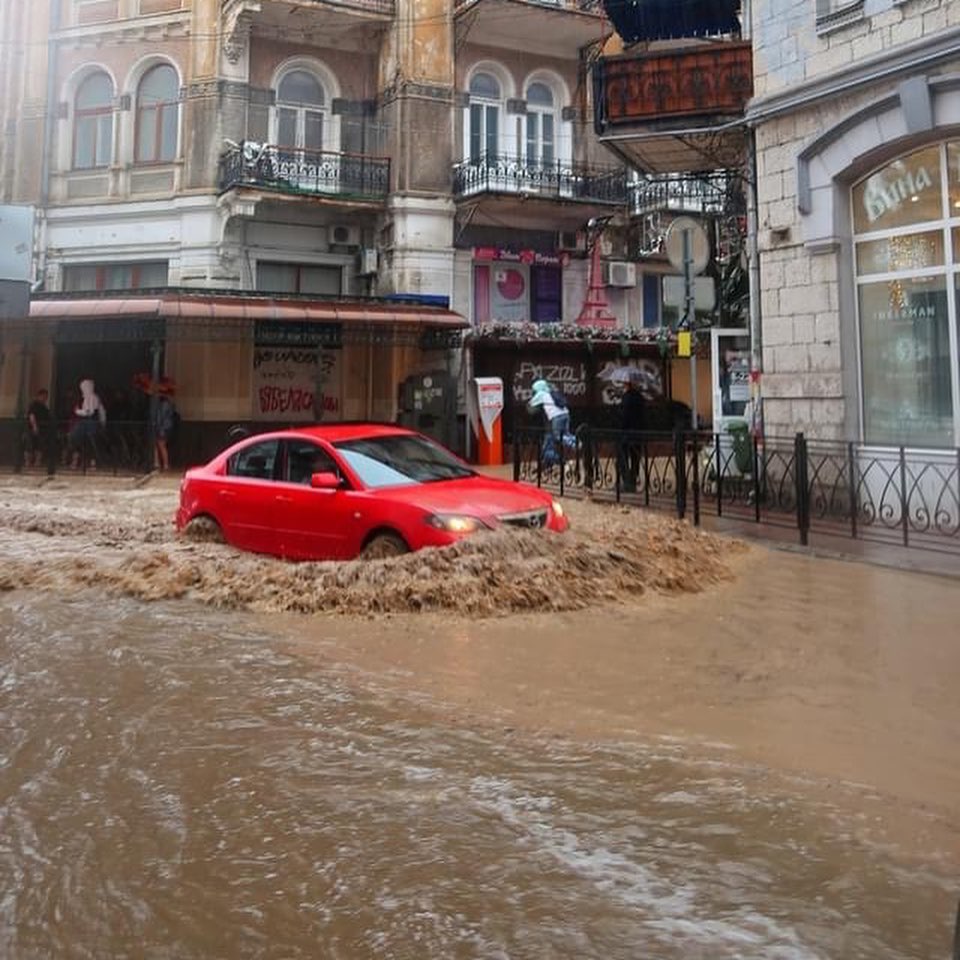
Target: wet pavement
x=765, y=769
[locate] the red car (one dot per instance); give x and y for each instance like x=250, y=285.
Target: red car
x=340, y=491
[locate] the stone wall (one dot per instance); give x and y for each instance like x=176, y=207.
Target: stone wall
x=791, y=49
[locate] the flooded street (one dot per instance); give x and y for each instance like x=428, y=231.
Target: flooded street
x=763, y=769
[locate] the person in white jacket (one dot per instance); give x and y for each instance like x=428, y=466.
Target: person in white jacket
x=90, y=416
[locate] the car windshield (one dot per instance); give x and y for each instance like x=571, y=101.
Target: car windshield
x=400, y=459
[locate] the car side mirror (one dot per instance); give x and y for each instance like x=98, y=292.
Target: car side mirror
x=325, y=481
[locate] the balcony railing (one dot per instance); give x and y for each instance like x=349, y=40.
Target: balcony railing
x=578, y=6
x=305, y=172
x=719, y=193
x=384, y=7
x=703, y=81
x=534, y=178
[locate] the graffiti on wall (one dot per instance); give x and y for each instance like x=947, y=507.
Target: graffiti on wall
x=569, y=377
x=296, y=383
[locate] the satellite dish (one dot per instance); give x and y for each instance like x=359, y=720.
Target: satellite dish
x=699, y=244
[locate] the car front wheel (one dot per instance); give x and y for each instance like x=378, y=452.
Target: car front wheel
x=383, y=546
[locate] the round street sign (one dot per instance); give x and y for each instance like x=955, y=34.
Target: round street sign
x=699, y=244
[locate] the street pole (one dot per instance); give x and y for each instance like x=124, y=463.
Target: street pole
x=689, y=321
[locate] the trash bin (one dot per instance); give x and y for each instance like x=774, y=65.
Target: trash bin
x=739, y=433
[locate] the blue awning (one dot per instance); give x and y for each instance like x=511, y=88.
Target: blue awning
x=638, y=20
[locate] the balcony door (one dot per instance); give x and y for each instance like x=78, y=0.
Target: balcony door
x=300, y=130
x=483, y=133
x=541, y=152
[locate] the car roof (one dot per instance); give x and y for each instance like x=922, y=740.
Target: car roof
x=349, y=430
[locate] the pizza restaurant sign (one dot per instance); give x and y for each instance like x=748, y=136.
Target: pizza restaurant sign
x=529, y=257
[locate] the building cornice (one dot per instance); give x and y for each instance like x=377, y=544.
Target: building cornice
x=145, y=27
x=891, y=65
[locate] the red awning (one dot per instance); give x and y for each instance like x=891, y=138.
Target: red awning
x=220, y=308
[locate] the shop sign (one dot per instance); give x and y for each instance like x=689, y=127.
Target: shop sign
x=296, y=383
x=297, y=333
x=885, y=196
x=510, y=293
x=532, y=258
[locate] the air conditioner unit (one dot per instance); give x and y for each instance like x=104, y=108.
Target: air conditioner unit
x=345, y=236
x=616, y=273
x=368, y=261
x=573, y=240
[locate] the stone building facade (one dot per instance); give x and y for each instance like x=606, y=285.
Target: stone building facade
x=385, y=149
x=856, y=116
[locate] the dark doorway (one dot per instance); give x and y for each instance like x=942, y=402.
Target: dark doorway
x=112, y=367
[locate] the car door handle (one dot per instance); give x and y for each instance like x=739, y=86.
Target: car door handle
x=226, y=493
x=280, y=498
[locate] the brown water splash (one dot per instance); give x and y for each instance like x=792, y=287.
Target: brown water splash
x=123, y=541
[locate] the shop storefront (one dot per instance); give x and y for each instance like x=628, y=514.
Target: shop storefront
x=524, y=287
x=906, y=220
x=234, y=360
x=590, y=371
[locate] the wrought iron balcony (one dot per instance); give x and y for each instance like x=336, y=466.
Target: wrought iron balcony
x=533, y=178
x=579, y=6
x=705, y=80
x=305, y=172
x=545, y=28
x=720, y=193
x=380, y=7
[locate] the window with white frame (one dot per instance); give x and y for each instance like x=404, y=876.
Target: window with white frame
x=301, y=111
x=837, y=12
x=93, y=122
x=485, y=106
x=541, y=126
x=158, y=115
x=906, y=219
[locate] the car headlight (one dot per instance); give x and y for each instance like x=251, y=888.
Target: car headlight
x=557, y=508
x=455, y=523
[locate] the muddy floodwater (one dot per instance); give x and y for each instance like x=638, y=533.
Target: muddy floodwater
x=762, y=767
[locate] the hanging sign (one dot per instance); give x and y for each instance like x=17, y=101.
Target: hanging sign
x=529, y=257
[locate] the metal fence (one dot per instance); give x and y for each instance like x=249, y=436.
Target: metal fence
x=891, y=495
x=117, y=447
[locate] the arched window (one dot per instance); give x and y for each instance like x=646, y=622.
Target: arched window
x=906, y=219
x=93, y=123
x=301, y=107
x=541, y=126
x=158, y=115
x=484, y=118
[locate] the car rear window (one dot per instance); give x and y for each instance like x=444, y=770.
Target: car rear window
x=256, y=462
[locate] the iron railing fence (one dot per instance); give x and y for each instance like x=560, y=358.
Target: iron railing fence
x=307, y=172
x=116, y=447
x=554, y=179
x=896, y=496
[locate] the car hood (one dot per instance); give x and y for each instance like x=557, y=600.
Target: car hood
x=476, y=496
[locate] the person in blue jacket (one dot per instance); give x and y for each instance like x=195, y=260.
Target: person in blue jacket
x=556, y=418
